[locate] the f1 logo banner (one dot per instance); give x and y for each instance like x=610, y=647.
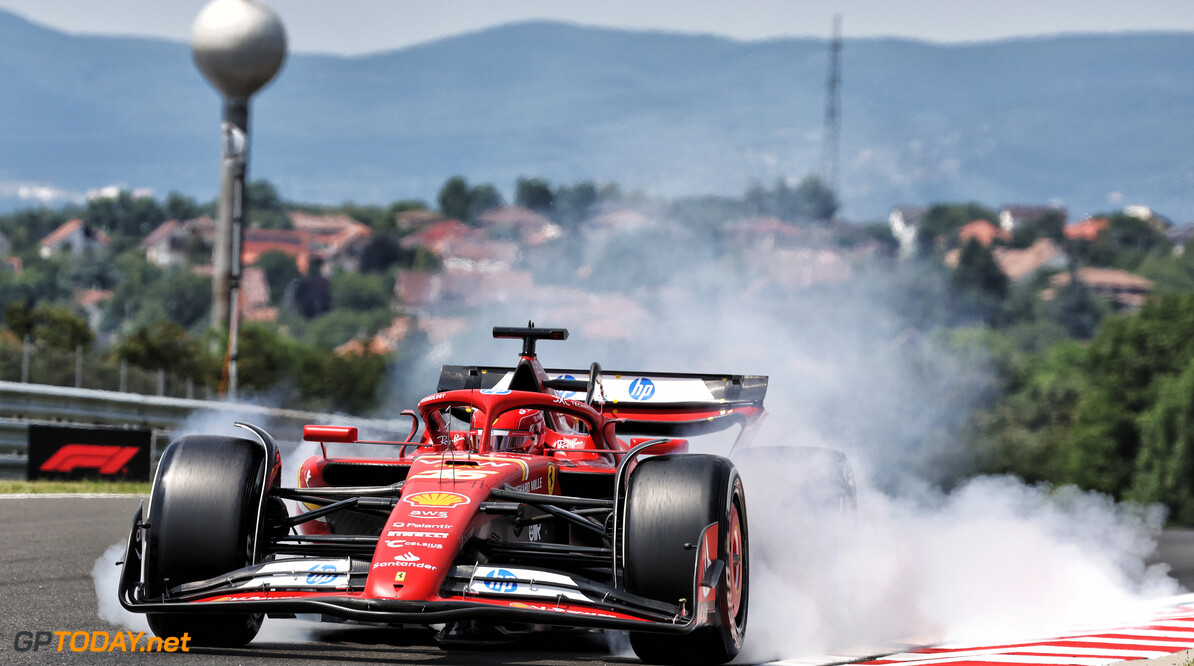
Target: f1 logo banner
x=75, y=453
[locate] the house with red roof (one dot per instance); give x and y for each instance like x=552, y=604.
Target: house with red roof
x=1041, y=255
x=439, y=236
x=1124, y=290
x=1087, y=230
x=337, y=240
x=76, y=237
x=518, y=223
x=174, y=241
x=982, y=231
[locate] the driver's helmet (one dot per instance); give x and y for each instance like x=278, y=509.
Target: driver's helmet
x=518, y=430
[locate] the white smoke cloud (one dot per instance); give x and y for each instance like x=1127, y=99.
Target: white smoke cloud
x=106, y=576
x=852, y=367
x=994, y=560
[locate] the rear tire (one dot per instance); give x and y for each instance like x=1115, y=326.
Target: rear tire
x=670, y=499
x=203, y=520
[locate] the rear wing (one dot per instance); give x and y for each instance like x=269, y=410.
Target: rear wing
x=668, y=391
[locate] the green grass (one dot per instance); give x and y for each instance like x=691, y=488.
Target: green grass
x=14, y=486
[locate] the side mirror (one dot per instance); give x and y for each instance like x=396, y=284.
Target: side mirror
x=327, y=433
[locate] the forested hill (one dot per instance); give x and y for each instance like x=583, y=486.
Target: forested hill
x=1071, y=119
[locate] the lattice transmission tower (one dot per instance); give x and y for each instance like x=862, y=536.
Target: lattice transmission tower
x=833, y=101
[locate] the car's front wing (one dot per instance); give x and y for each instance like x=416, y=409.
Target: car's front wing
x=498, y=594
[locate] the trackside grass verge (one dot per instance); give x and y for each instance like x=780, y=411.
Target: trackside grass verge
x=14, y=486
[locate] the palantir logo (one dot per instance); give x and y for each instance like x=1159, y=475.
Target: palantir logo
x=509, y=584
x=642, y=389
x=316, y=578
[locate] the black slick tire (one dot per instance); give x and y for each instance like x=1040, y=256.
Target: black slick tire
x=203, y=518
x=670, y=500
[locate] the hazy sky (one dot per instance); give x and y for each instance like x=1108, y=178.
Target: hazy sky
x=361, y=26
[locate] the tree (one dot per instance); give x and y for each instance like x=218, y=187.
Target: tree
x=1103, y=444
x=1127, y=242
x=813, y=200
x=575, y=204
x=125, y=214
x=313, y=293
x=165, y=345
x=144, y=293
x=535, y=194
x=280, y=270
x=460, y=201
x=308, y=376
x=49, y=325
x=1128, y=361
x=181, y=207
x=92, y=271
x=381, y=253
x=405, y=205
x=1050, y=225
x=482, y=198
x=1165, y=463
x=265, y=207
x=183, y=297
x=1027, y=432
x=265, y=357
x=979, y=282
x=334, y=328
x=1076, y=308
x=454, y=198
x=354, y=291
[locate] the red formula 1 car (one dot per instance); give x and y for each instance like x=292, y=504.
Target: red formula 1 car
x=510, y=507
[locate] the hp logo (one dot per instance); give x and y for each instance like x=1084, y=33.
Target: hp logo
x=642, y=389
x=317, y=578
x=501, y=585
x=567, y=394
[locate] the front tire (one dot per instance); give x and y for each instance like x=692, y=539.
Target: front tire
x=203, y=521
x=670, y=500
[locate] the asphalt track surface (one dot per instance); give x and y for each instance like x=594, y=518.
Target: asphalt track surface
x=51, y=545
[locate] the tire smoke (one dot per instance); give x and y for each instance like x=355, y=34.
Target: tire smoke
x=933, y=553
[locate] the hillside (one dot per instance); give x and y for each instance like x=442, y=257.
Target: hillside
x=1071, y=118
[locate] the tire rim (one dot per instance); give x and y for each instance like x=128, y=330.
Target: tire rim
x=736, y=563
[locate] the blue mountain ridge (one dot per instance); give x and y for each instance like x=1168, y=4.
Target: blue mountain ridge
x=1070, y=119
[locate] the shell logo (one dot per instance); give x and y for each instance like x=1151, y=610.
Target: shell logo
x=446, y=500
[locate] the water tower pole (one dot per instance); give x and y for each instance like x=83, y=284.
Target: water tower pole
x=239, y=45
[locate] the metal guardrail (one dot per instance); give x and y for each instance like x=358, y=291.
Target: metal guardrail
x=25, y=404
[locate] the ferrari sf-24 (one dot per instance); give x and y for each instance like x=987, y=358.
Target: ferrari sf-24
x=522, y=500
